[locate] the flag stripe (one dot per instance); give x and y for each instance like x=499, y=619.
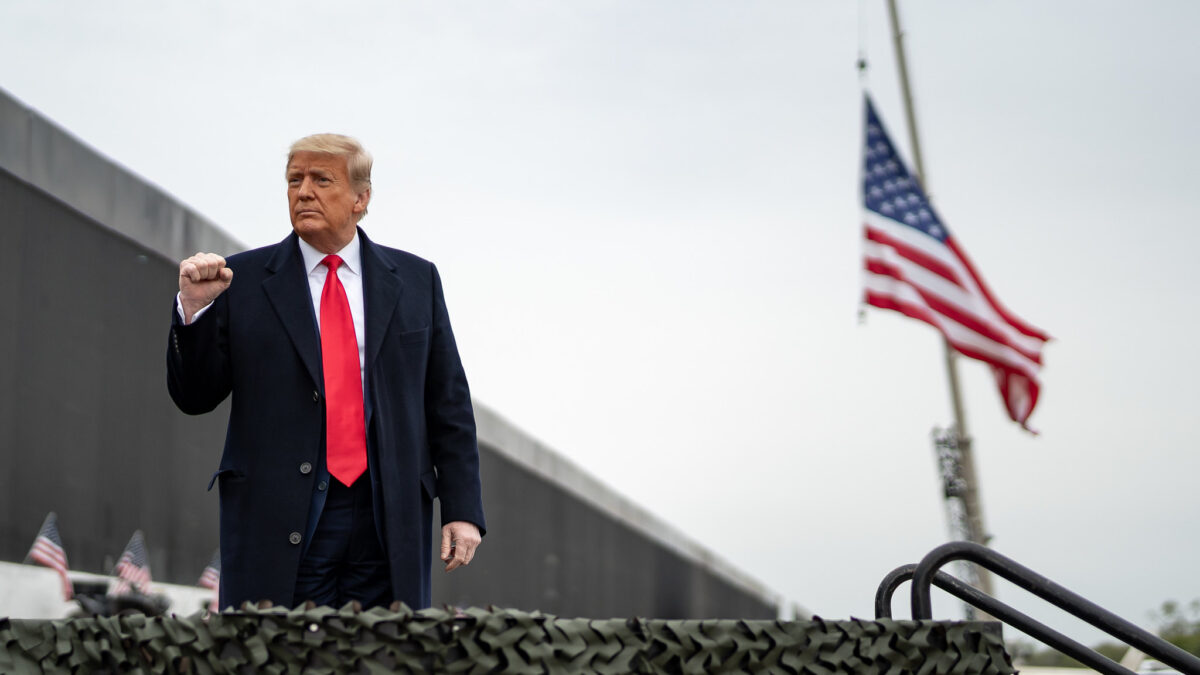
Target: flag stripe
x=967, y=297
x=929, y=262
x=961, y=337
x=48, y=550
x=887, y=301
x=936, y=304
x=132, y=570
x=1009, y=318
x=981, y=350
x=211, y=578
x=882, y=282
x=917, y=276
x=48, y=554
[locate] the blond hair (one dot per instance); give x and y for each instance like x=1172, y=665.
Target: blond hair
x=358, y=160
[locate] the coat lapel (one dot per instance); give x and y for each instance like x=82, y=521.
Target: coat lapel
x=286, y=287
x=381, y=295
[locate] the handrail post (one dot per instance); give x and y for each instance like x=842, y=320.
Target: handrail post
x=887, y=587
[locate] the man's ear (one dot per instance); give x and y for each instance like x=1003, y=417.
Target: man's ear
x=361, y=200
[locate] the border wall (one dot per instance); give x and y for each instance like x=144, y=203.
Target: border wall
x=87, y=277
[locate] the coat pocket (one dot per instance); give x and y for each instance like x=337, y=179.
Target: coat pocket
x=412, y=337
x=429, y=483
x=229, y=474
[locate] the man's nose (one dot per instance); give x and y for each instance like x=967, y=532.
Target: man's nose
x=305, y=191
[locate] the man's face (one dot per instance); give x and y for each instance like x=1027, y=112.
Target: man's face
x=323, y=204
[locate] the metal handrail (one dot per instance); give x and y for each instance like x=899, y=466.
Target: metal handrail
x=926, y=573
x=1028, y=625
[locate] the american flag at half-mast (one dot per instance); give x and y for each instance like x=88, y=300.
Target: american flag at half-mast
x=133, y=569
x=48, y=550
x=211, y=578
x=914, y=266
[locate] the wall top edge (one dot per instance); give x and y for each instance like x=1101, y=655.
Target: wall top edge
x=38, y=151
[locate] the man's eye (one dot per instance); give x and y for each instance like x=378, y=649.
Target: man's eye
x=324, y=181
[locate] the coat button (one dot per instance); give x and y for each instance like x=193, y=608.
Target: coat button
x=306, y=468
x=316, y=396
x=322, y=486
x=294, y=537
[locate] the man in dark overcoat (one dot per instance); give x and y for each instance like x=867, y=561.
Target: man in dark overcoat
x=350, y=409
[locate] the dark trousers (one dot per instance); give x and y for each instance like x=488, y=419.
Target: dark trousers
x=345, y=560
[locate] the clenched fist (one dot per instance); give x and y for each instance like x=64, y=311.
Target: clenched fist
x=202, y=278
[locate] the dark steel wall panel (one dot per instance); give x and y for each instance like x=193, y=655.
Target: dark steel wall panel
x=551, y=551
x=88, y=428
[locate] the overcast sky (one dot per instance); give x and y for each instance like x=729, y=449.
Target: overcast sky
x=646, y=215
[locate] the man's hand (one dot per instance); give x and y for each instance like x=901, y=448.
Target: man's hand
x=459, y=541
x=202, y=278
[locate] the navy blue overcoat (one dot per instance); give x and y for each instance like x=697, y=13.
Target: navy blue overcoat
x=259, y=342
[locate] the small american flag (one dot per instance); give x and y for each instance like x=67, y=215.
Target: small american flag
x=132, y=570
x=915, y=267
x=48, y=550
x=211, y=578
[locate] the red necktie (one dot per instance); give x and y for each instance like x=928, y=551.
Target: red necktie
x=345, y=431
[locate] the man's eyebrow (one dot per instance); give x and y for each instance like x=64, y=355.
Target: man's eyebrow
x=313, y=170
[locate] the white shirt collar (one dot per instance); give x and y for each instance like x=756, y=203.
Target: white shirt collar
x=351, y=255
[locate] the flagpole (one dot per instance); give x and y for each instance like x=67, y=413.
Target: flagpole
x=971, y=504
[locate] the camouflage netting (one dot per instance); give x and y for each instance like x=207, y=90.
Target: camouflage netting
x=323, y=640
